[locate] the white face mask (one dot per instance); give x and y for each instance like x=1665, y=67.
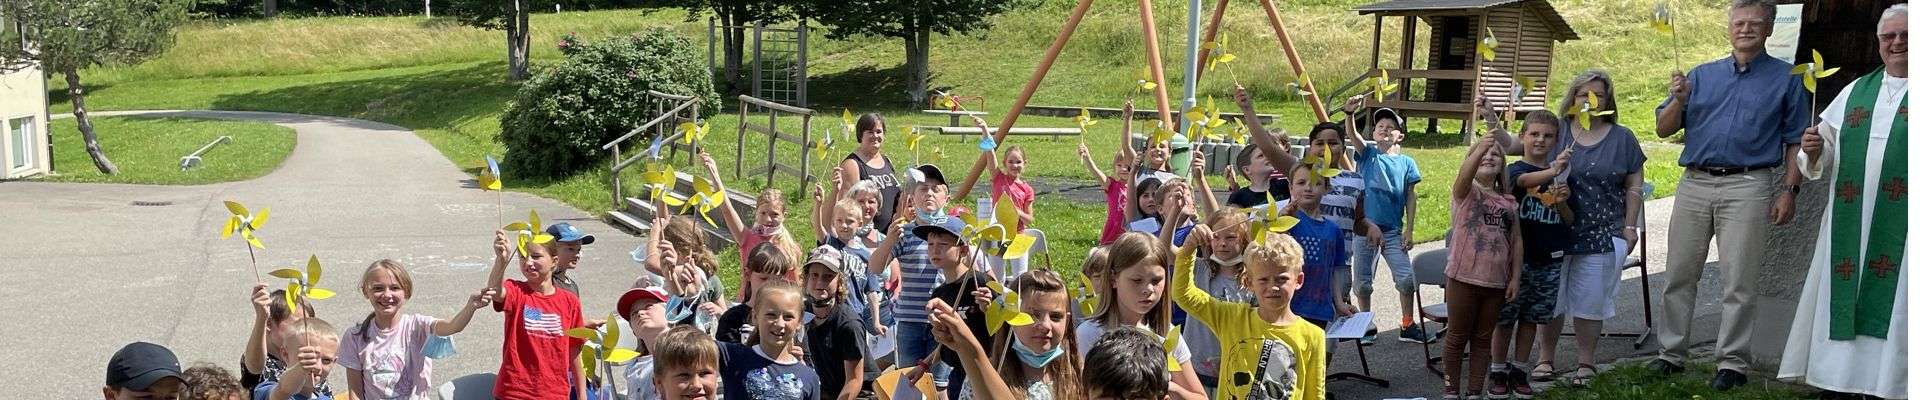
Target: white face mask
x=1235, y=261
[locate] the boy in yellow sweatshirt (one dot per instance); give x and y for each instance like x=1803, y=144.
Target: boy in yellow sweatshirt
x=1267, y=351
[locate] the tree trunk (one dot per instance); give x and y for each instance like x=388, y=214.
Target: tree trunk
x=917, y=54
x=271, y=8
x=517, y=43
x=733, y=39
x=78, y=95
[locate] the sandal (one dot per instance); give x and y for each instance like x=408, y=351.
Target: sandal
x=1542, y=373
x=1582, y=376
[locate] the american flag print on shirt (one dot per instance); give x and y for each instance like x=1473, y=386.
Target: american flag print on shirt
x=536, y=321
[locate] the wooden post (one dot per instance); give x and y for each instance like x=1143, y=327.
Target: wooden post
x=1406, y=60
x=1153, y=63
x=773, y=138
x=740, y=143
x=1473, y=113
x=1379, y=22
x=1293, y=59
x=1213, y=32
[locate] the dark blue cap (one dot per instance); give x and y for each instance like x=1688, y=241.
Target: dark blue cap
x=567, y=233
x=948, y=224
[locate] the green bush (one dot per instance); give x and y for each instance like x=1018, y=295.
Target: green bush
x=561, y=116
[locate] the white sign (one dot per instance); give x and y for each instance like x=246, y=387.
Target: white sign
x=1786, y=33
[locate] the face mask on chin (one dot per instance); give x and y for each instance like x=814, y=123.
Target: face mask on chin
x=1036, y=359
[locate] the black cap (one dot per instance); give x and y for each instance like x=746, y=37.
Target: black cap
x=138, y=365
x=927, y=173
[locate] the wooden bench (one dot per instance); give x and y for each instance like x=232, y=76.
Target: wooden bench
x=953, y=117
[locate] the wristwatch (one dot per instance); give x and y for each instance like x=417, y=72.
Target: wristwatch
x=1793, y=189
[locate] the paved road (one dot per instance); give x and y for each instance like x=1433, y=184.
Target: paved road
x=87, y=271
x=91, y=270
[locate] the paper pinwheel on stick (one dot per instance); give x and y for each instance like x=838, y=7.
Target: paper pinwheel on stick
x=1662, y=22
x=1515, y=97
x=1142, y=82
x=1488, y=46
x=1085, y=296
x=490, y=181
x=529, y=231
x=1005, y=309
x=691, y=133
x=1084, y=120
x=1160, y=134
x=1217, y=54
x=1300, y=84
x=1205, y=120
x=914, y=137
x=1270, y=221
x=303, y=284
x=601, y=348
x=657, y=180
x=1382, y=85
x=706, y=197
x=1239, y=132
x=1811, y=74
x=847, y=126
x=244, y=223
x=1585, y=111
x=1170, y=341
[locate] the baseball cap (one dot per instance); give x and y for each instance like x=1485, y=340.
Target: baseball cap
x=927, y=173
x=828, y=256
x=949, y=225
x=140, y=364
x=636, y=294
x=1390, y=113
x=565, y=232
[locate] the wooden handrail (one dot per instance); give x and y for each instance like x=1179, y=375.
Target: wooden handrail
x=1442, y=74
x=775, y=106
x=668, y=96
x=656, y=120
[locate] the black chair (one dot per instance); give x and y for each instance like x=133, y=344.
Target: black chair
x=1430, y=269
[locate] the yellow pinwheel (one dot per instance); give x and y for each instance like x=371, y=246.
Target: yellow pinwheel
x=1323, y=165
x=1488, y=45
x=244, y=223
x=913, y=139
x=1143, y=81
x=847, y=125
x=706, y=197
x=1205, y=119
x=820, y=148
x=1085, y=296
x=303, y=284
x=1584, y=112
x=1172, y=340
x=1270, y=220
x=1382, y=85
x=1005, y=309
x=1239, y=132
x=1084, y=120
x=937, y=154
x=1218, y=53
x=1521, y=87
x=490, y=177
x=1811, y=73
x=691, y=133
x=529, y=231
x=657, y=180
x=1160, y=134
x=601, y=346
x=1662, y=18
x=1300, y=85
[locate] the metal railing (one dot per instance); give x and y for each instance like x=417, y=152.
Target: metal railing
x=661, y=128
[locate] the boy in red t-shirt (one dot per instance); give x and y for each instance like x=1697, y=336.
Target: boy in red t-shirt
x=536, y=355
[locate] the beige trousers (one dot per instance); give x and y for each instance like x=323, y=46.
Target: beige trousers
x=1734, y=209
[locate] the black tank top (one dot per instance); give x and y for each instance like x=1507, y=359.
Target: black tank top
x=889, y=189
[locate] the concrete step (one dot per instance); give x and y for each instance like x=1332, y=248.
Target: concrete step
x=717, y=236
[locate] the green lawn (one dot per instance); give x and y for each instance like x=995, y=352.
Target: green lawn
x=1635, y=381
x=447, y=83
x=148, y=150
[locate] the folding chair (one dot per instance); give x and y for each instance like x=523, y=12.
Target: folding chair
x=1430, y=268
x=1638, y=259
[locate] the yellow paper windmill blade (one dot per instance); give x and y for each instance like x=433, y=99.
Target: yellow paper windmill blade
x=1593, y=101
x=691, y=133
x=1811, y=73
x=1020, y=246
x=1382, y=85
x=528, y=232
x=1239, y=132
x=242, y=222
x=1172, y=340
x=1084, y=120
x=490, y=177
x=658, y=180
x=1160, y=135
x=820, y=148
x=1143, y=80
x=1488, y=46
x=1219, y=54
x=1005, y=309
x=1083, y=294
x=846, y=119
x=1662, y=18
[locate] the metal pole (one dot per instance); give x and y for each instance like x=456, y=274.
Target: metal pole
x=1193, y=64
x=801, y=31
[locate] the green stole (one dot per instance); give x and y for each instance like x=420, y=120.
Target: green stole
x=1864, y=284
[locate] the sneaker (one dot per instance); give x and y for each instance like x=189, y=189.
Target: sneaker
x=1664, y=367
x=1413, y=334
x=1476, y=396
x=1450, y=393
x=1372, y=334
x=1497, y=387
x=1728, y=379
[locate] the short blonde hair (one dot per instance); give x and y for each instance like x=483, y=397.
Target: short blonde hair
x=685, y=346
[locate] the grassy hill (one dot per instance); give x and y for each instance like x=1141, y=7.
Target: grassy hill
x=446, y=81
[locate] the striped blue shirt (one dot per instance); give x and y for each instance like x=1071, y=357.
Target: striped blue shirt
x=918, y=278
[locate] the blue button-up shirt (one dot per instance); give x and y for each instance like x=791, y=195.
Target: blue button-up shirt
x=1740, y=119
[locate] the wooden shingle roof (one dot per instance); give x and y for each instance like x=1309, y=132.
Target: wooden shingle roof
x=1541, y=8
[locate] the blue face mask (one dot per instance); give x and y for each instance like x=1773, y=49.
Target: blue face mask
x=936, y=217
x=1036, y=359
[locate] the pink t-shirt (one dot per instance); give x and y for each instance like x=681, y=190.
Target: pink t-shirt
x=1016, y=190
x=1116, y=211
x=1479, y=252
x=391, y=360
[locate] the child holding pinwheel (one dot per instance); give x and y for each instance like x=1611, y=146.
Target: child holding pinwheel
x=386, y=354
x=1483, y=264
x=1115, y=186
x=1036, y=359
x=949, y=248
x=311, y=344
x=1158, y=160
x=261, y=361
x=536, y=355
x=1275, y=354
x=1133, y=293
x=769, y=222
x=1323, y=244
x=768, y=369
x=766, y=265
x=1389, y=178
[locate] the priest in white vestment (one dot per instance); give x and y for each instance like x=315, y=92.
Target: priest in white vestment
x=1823, y=348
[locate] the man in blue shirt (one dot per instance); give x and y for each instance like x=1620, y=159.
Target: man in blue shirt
x=1742, y=115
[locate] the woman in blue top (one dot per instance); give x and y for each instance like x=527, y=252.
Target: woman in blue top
x=1604, y=173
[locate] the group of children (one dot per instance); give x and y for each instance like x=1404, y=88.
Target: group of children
x=1254, y=282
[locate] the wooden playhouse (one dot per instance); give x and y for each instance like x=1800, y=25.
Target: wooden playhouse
x=1453, y=71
